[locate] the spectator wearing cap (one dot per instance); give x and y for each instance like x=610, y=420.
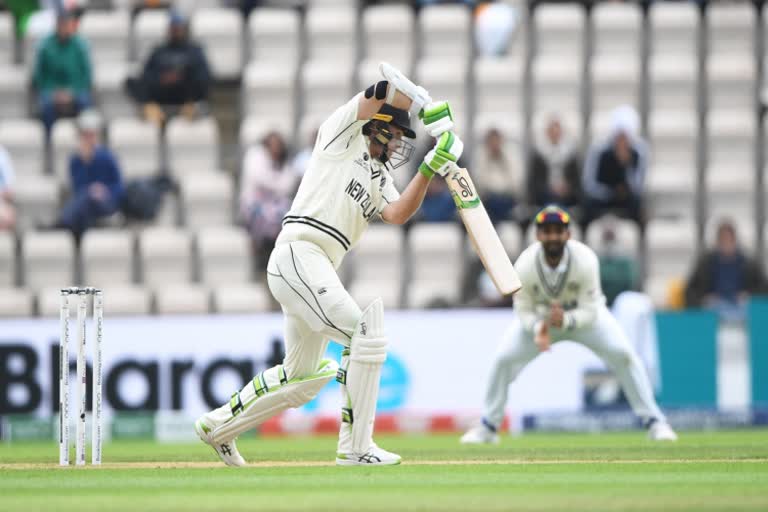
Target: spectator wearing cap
x=725, y=277
x=614, y=172
x=96, y=181
x=62, y=72
x=554, y=176
x=175, y=78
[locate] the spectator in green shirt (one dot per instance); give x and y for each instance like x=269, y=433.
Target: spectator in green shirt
x=618, y=272
x=62, y=74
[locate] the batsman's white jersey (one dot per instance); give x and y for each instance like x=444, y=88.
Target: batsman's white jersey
x=342, y=189
x=575, y=284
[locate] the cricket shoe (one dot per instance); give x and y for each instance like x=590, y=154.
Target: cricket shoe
x=480, y=434
x=661, y=431
x=227, y=452
x=375, y=456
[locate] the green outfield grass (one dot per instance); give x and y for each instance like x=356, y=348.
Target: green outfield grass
x=725, y=471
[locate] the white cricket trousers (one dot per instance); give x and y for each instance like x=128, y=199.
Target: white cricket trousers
x=317, y=308
x=605, y=338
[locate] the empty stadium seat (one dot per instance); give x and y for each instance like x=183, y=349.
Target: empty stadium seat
x=388, y=32
x=274, y=35
x=560, y=31
x=37, y=200
x=14, y=82
x=193, y=146
x=219, y=31
x=109, y=86
x=674, y=28
x=617, y=29
x=224, y=255
x=24, y=139
x=48, y=259
x=269, y=91
x=7, y=259
x=556, y=84
x=136, y=144
x=150, y=28
x=731, y=83
x=241, y=298
x=107, y=257
x=165, y=256
x=332, y=34
x=15, y=302
x=511, y=238
x=731, y=29
x=615, y=81
x=447, y=79
x=672, y=83
x=499, y=86
x=325, y=86
x=63, y=145
x=207, y=199
x=188, y=299
x=671, y=246
x=108, y=35
x=435, y=252
x=126, y=299
x=378, y=266
x=445, y=32
x=6, y=39
x=673, y=137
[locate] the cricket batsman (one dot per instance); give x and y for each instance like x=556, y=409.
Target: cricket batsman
x=347, y=184
x=561, y=300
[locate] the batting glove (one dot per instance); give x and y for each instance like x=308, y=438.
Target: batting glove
x=437, y=118
x=446, y=152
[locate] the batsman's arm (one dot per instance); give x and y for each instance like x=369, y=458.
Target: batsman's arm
x=398, y=212
x=370, y=103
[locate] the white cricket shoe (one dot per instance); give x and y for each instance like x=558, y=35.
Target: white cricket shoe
x=480, y=434
x=227, y=452
x=661, y=431
x=374, y=457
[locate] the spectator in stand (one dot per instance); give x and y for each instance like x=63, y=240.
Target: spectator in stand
x=438, y=205
x=554, y=175
x=267, y=187
x=96, y=181
x=493, y=175
x=724, y=278
x=301, y=159
x=7, y=207
x=619, y=272
x=175, y=78
x=614, y=172
x=62, y=73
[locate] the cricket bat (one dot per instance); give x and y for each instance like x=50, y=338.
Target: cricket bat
x=482, y=233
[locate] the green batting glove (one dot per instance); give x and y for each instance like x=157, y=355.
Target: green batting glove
x=437, y=118
x=447, y=150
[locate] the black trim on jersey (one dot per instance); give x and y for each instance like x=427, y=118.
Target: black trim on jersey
x=320, y=307
x=308, y=304
x=340, y=134
x=375, y=174
x=322, y=226
x=555, y=291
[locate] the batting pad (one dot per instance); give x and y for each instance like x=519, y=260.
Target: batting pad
x=269, y=393
x=367, y=353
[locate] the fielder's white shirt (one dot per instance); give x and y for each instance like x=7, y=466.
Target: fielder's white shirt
x=574, y=283
x=342, y=189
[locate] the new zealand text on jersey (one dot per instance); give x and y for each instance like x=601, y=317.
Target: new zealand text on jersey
x=361, y=196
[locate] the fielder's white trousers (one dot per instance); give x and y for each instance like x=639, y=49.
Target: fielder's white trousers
x=317, y=308
x=605, y=338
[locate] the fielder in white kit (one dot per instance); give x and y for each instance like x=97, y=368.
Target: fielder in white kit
x=347, y=183
x=561, y=300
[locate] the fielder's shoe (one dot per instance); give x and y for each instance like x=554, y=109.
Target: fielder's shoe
x=227, y=452
x=374, y=457
x=480, y=434
x=661, y=431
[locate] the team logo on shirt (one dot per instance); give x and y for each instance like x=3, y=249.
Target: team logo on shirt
x=362, y=197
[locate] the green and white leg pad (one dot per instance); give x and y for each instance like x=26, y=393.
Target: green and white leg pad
x=269, y=393
x=359, y=375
